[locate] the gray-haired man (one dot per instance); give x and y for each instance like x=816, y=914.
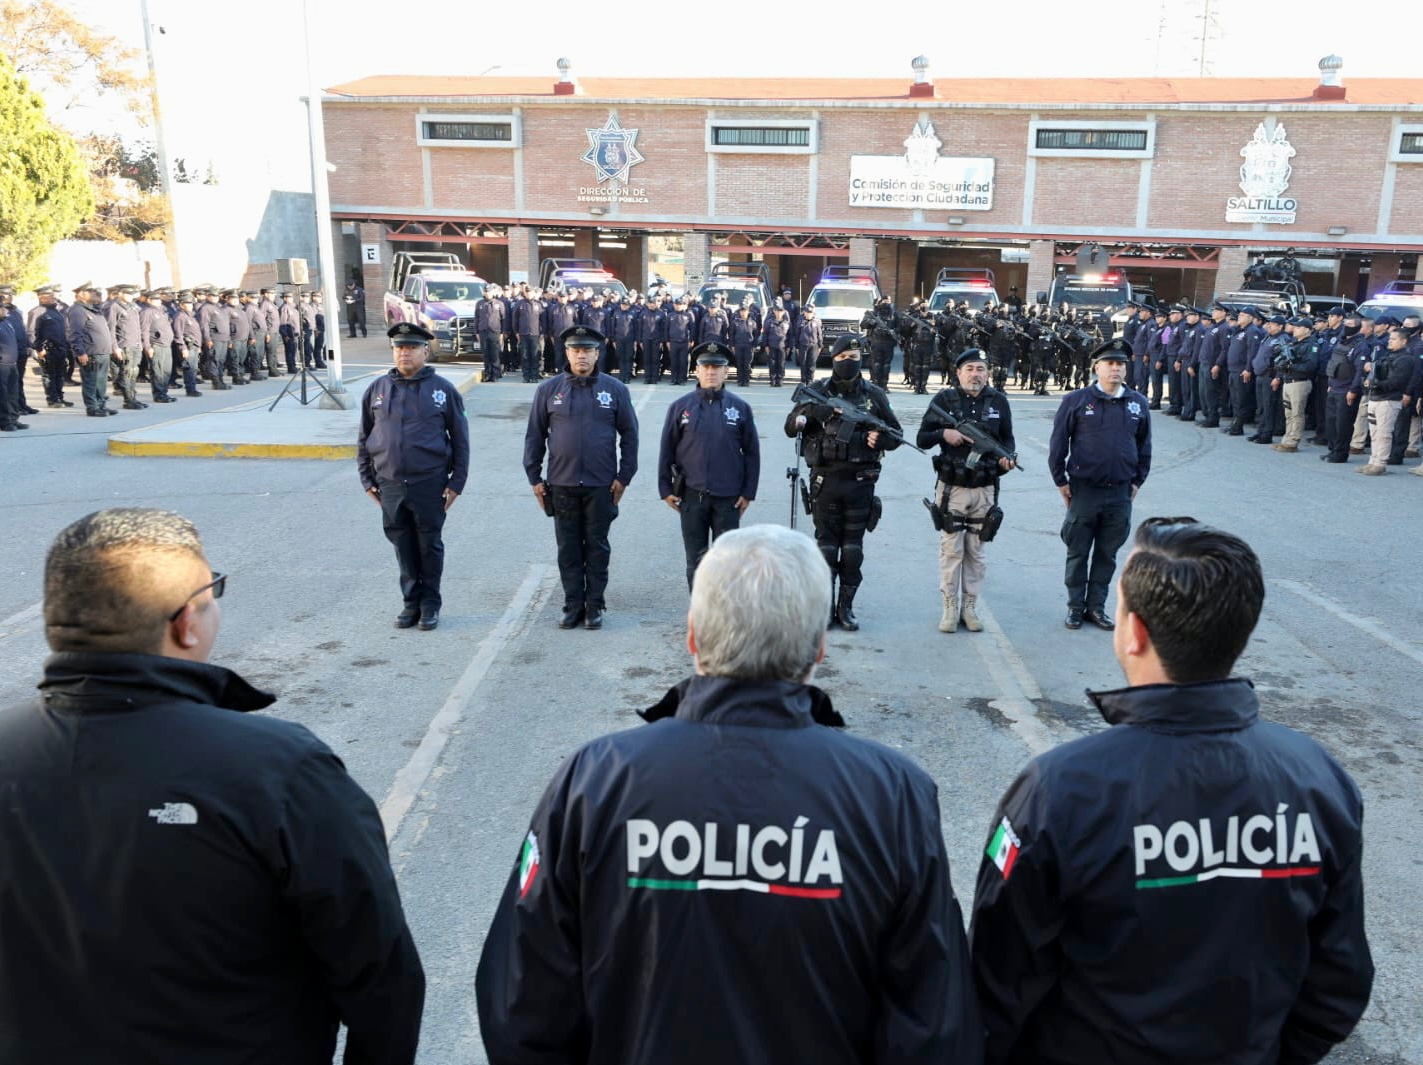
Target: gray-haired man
x=740, y=857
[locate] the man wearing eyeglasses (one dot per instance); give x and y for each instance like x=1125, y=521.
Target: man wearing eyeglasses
x=183, y=881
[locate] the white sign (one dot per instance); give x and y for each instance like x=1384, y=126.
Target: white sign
x=370, y=254
x=1264, y=176
x=921, y=177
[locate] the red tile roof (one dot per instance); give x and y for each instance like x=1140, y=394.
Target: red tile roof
x=1130, y=91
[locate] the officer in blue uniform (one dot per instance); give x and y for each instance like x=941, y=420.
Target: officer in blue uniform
x=710, y=460
x=413, y=457
x=584, y=422
x=1099, y=457
x=51, y=341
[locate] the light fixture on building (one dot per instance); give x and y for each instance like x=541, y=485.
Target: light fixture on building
x=956, y=219
x=1338, y=231
x=595, y=209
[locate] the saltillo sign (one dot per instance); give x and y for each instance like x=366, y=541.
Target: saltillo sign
x=1264, y=177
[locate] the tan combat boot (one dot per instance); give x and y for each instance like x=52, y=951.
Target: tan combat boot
x=950, y=621
x=970, y=615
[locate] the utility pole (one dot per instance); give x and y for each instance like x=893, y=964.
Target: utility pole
x=165, y=175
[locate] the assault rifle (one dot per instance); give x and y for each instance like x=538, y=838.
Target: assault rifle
x=980, y=442
x=851, y=417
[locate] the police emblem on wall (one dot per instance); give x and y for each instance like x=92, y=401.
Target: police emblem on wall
x=612, y=151
x=921, y=149
x=1264, y=176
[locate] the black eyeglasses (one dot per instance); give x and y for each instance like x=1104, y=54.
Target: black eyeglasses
x=218, y=584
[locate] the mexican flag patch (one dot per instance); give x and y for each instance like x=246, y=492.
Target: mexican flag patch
x=528, y=864
x=1003, y=847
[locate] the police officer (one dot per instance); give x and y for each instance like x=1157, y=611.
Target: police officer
x=583, y=420
x=1294, y=380
x=157, y=346
x=13, y=341
x=50, y=338
x=489, y=324
x=710, y=459
x=807, y=338
x=881, y=328
x=627, y=933
x=355, y=300
x=413, y=458
x=1099, y=457
x=127, y=331
x=742, y=337
x=681, y=326
x=1217, y=853
x=188, y=337
x=1269, y=411
x=775, y=333
x=843, y=472
x=965, y=496
x=93, y=346
x=1239, y=358
x=1344, y=375
x=919, y=342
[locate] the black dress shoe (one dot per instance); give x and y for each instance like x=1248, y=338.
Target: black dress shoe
x=594, y=620
x=108, y=412
x=429, y=619
x=407, y=618
x=28, y=410
x=194, y=392
x=1100, y=619
x=571, y=616
x=94, y=413
x=1235, y=432
x=1074, y=619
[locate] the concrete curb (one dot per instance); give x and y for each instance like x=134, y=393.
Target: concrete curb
x=209, y=449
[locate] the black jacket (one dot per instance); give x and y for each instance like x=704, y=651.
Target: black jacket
x=588, y=429
x=181, y=883
x=1184, y=887
x=1099, y=440
x=413, y=429
x=711, y=436
x=989, y=410
x=825, y=449
x=735, y=883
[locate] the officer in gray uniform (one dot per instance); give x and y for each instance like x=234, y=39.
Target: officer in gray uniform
x=157, y=346
x=93, y=346
x=127, y=330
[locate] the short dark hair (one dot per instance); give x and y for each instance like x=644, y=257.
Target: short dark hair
x=1199, y=592
x=107, y=577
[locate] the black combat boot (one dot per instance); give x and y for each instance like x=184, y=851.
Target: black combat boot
x=846, y=612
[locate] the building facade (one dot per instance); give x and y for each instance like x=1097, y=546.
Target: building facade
x=1180, y=182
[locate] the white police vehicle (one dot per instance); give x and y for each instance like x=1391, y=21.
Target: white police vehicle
x=562, y=275
x=736, y=281
x=977, y=288
x=1398, y=300
x=841, y=297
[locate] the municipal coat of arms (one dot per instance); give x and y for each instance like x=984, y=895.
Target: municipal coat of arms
x=612, y=151
x=1266, y=171
x=921, y=149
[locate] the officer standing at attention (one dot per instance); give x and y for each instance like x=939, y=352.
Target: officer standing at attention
x=965, y=496
x=50, y=340
x=413, y=457
x=1185, y=885
x=584, y=421
x=710, y=460
x=843, y=472
x=127, y=331
x=1099, y=457
x=93, y=346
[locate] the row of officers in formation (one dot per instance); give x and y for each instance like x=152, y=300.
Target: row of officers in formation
x=1341, y=381
x=581, y=454
x=120, y=336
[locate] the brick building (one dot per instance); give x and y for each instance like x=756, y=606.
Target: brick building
x=1180, y=181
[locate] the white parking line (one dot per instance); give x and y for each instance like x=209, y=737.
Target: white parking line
x=18, y=623
x=413, y=775
x=1364, y=625
x=1013, y=678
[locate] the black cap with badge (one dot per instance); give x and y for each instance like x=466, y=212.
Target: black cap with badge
x=581, y=336
x=712, y=353
x=1112, y=351
x=844, y=344
x=404, y=334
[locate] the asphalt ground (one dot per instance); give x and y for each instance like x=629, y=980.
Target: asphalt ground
x=457, y=731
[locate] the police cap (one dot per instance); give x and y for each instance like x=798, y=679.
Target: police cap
x=1178, y=308
x=1277, y=319
x=408, y=333
x=1218, y=306
x=844, y=344
x=970, y=355
x=1337, y=312
x=712, y=353
x=185, y=296
x=1388, y=321
x=581, y=336
x=1302, y=319
x=1112, y=351
x=1195, y=310
x=47, y=290
x=7, y=290
x=86, y=286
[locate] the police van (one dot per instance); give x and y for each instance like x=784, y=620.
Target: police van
x=736, y=281
x=841, y=297
x=977, y=288
x=1398, y=300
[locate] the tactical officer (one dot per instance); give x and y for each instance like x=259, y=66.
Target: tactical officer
x=93, y=346
x=919, y=341
x=413, y=458
x=881, y=328
x=627, y=933
x=844, y=453
x=967, y=488
x=1294, y=380
x=1344, y=374
x=1099, y=457
x=50, y=338
x=1218, y=854
x=710, y=459
x=584, y=421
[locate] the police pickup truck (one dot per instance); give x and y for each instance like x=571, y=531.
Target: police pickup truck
x=977, y=288
x=434, y=290
x=841, y=297
x=735, y=281
x=563, y=275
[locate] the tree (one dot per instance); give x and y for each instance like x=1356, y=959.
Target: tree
x=68, y=60
x=129, y=204
x=44, y=191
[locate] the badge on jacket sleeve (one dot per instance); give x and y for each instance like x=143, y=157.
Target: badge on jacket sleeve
x=1003, y=848
x=528, y=864
x=439, y=397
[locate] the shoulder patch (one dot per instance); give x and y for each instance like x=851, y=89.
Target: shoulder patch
x=528, y=863
x=1003, y=848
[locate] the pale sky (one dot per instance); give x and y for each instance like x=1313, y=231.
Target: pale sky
x=230, y=78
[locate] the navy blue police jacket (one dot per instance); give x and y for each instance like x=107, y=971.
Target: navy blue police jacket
x=734, y=882
x=711, y=435
x=1100, y=440
x=587, y=428
x=1183, y=887
x=413, y=429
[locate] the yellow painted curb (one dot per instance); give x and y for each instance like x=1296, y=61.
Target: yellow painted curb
x=179, y=449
